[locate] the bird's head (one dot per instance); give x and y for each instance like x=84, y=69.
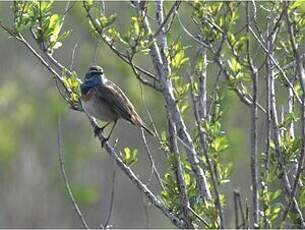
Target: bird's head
x=94, y=70
x=94, y=77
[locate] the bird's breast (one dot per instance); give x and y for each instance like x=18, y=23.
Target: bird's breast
x=86, y=97
x=96, y=107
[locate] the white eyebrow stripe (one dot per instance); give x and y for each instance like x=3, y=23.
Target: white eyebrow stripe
x=94, y=71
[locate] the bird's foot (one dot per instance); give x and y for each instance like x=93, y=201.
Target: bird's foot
x=97, y=131
x=104, y=141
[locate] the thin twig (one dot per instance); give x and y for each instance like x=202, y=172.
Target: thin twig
x=149, y=115
x=172, y=10
x=107, y=220
x=73, y=55
x=199, y=217
x=244, y=216
x=276, y=64
x=152, y=161
x=64, y=175
x=190, y=34
x=236, y=210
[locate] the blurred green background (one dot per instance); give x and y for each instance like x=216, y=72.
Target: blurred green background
x=32, y=192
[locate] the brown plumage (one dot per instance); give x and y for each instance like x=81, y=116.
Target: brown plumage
x=114, y=97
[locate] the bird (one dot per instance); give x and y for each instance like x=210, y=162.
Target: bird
x=104, y=100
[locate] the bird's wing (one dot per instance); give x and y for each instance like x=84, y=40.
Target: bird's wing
x=112, y=95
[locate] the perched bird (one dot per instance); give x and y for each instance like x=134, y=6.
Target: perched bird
x=105, y=101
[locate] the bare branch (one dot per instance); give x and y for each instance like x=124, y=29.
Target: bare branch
x=172, y=10
x=64, y=175
x=73, y=55
x=238, y=206
x=141, y=79
x=190, y=34
x=107, y=220
x=152, y=162
x=276, y=65
x=149, y=115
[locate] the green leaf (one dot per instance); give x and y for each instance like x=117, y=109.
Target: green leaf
x=113, y=33
x=105, y=21
x=54, y=27
x=297, y=5
x=291, y=117
x=234, y=65
x=135, y=25
x=129, y=156
x=275, y=210
x=184, y=108
x=301, y=198
x=276, y=194
x=220, y=143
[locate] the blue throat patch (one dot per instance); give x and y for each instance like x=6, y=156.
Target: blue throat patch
x=93, y=81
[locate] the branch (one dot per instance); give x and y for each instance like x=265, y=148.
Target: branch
x=276, y=65
x=172, y=10
x=253, y=132
x=201, y=43
x=56, y=76
x=109, y=43
x=106, y=224
x=140, y=78
x=163, y=71
x=179, y=173
x=152, y=162
x=238, y=205
x=73, y=55
x=149, y=115
x=64, y=175
x=243, y=97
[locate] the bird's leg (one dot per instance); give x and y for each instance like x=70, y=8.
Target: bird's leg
x=97, y=129
x=112, y=128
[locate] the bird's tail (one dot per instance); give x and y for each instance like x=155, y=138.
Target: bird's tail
x=137, y=120
x=148, y=130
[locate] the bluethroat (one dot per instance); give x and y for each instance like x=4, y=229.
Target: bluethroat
x=105, y=101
